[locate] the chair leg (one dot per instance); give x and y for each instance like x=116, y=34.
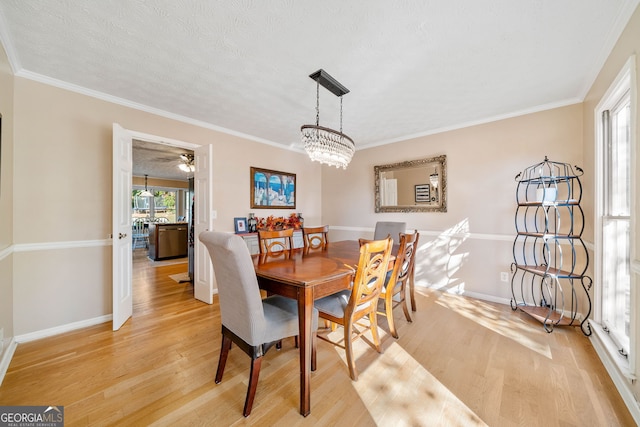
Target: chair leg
x=348, y=348
x=412, y=295
x=406, y=310
x=314, y=340
x=222, y=361
x=373, y=318
x=253, y=385
x=388, y=308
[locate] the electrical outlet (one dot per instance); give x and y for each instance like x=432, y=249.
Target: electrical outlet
x=504, y=276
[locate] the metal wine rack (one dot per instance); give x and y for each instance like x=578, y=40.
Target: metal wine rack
x=550, y=258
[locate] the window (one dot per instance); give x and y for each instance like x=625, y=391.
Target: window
x=615, y=218
x=616, y=289
x=163, y=205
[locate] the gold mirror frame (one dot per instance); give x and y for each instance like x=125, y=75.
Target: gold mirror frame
x=438, y=163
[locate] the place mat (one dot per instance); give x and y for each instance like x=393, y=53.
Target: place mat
x=181, y=277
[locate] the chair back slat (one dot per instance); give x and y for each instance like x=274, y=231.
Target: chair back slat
x=275, y=241
x=403, y=265
x=371, y=273
x=315, y=237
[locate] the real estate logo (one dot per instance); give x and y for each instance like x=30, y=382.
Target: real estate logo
x=31, y=416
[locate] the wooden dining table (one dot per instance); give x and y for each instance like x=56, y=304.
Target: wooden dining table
x=306, y=276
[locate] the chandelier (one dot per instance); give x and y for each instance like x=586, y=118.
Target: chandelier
x=187, y=163
x=323, y=144
x=146, y=192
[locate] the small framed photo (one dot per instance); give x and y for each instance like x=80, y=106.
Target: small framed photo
x=422, y=193
x=240, y=225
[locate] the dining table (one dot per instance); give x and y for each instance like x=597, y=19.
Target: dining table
x=306, y=276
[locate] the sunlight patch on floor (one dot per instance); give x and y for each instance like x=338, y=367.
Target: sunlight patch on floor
x=488, y=316
x=397, y=390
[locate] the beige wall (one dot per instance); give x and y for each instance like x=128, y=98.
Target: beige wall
x=465, y=248
x=627, y=45
x=63, y=154
x=6, y=199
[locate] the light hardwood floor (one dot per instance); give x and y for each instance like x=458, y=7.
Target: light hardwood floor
x=462, y=362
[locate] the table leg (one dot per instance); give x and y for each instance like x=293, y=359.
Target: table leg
x=305, y=313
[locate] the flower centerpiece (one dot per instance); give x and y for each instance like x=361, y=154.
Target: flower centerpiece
x=272, y=223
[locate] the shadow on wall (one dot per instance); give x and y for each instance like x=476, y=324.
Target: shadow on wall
x=437, y=261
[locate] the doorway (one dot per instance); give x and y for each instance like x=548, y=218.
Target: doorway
x=162, y=212
x=204, y=283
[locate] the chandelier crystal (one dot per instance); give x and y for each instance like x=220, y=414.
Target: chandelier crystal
x=322, y=144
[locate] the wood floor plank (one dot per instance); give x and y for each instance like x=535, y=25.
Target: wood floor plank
x=461, y=362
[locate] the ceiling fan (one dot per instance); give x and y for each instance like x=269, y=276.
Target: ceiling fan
x=187, y=163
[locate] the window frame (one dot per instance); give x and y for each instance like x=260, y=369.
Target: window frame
x=624, y=82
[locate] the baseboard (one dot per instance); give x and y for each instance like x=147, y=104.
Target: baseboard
x=7, y=354
x=616, y=376
x=485, y=297
x=45, y=333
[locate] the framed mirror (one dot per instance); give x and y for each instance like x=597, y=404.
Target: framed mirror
x=412, y=186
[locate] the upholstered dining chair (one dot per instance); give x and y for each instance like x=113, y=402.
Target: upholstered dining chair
x=395, y=287
x=252, y=323
x=275, y=241
x=315, y=237
x=386, y=228
x=348, y=307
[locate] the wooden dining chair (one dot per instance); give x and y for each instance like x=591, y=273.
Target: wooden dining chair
x=386, y=228
x=252, y=323
x=394, y=291
x=139, y=233
x=315, y=237
x=348, y=307
x=275, y=241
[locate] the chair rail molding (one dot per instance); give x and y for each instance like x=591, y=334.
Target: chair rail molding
x=28, y=247
x=5, y=252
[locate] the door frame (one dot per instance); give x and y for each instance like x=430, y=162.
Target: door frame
x=122, y=276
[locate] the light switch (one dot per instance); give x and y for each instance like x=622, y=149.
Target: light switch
x=214, y=214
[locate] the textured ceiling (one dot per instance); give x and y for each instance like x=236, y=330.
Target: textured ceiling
x=413, y=67
x=158, y=161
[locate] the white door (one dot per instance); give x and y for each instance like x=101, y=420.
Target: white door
x=122, y=167
x=390, y=192
x=204, y=281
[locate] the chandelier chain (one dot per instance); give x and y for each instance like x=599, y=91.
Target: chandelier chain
x=341, y=114
x=318, y=103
